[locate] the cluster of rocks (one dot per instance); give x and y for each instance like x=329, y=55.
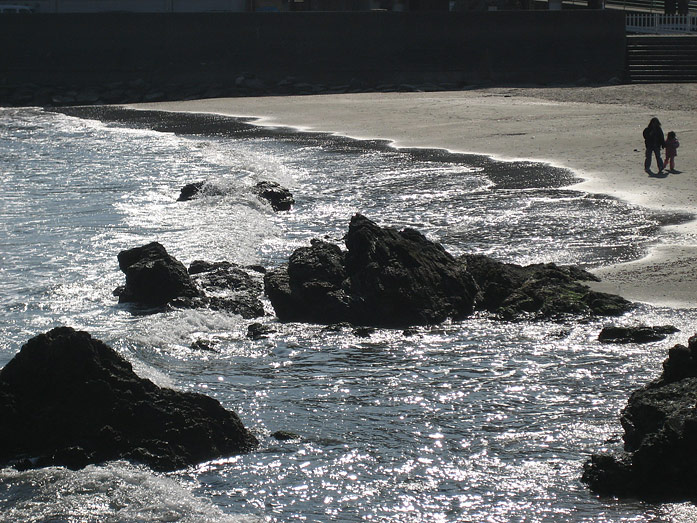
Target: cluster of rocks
x=68, y=399
x=399, y=278
x=155, y=279
x=139, y=90
x=658, y=461
x=278, y=196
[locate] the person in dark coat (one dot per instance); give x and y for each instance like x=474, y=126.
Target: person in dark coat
x=654, y=141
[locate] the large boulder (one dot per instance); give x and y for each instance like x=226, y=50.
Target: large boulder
x=155, y=279
x=659, y=460
x=69, y=399
x=385, y=278
x=538, y=291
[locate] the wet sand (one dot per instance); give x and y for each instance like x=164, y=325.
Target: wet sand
x=595, y=131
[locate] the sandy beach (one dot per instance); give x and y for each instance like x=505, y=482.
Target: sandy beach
x=594, y=131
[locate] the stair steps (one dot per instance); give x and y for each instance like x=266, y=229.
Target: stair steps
x=662, y=59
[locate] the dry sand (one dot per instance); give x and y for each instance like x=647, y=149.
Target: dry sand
x=595, y=131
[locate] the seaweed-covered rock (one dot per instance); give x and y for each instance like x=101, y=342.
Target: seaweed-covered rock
x=539, y=290
x=658, y=461
x=635, y=334
x=155, y=279
x=69, y=399
x=279, y=197
x=386, y=278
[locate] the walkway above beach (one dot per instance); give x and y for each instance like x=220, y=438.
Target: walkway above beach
x=595, y=131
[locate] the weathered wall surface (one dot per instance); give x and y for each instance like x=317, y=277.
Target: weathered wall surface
x=333, y=48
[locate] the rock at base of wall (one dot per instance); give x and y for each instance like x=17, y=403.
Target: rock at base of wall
x=69, y=399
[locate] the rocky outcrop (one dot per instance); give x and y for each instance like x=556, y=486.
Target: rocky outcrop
x=69, y=399
x=635, y=334
x=279, y=197
x=658, y=461
x=538, y=291
x=156, y=279
x=385, y=278
x=399, y=278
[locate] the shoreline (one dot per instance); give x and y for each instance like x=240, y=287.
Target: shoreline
x=595, y=132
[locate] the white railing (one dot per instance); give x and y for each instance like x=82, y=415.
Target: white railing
x=656, y=23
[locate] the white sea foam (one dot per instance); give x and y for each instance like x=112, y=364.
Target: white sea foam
x=114, y=492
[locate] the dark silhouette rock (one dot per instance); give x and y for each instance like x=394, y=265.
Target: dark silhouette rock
x=539, y=290
x=636, y=334
x=153, y=277
x=284, y=435
x=390, y=278
x=69, y=399
x=386, y=278
x=658, y=461
x=259, y=331
x=190, y=191
x=279, y=197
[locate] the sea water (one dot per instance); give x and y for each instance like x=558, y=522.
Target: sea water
x=477, y=420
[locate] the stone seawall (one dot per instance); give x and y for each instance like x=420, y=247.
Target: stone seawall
x=128, y=57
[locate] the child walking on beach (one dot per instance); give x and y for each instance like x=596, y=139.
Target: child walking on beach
x=672, y=145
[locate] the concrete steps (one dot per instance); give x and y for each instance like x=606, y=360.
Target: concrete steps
x=661, y=59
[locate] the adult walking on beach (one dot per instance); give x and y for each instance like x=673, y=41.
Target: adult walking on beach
x=654, y=141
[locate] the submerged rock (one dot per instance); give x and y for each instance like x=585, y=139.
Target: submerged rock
x=636, y=334
x=279, y=197
x=69, y=399
x=155, y=279
x=190, y=191
x=658, y=461
x=386, y=278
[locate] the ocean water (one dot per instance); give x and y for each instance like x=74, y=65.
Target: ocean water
x=475, y=421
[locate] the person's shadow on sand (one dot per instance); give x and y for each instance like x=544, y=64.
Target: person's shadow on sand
x=662, y=174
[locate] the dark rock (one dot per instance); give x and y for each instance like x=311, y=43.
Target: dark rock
x=203, y=345
x=364, y=332
x=636, y=334
x=192, y=190
x=279, y=197
x=539, y=290
x=386, y=278
x=284, y=435
x=153, y=277
x=259, y=331
x=660, y=437
x=396, y=278
x=69, y=399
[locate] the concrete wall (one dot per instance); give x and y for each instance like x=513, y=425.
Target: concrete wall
x=374, y=47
